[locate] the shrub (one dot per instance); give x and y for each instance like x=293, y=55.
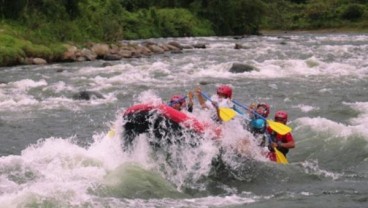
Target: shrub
x=352, y=12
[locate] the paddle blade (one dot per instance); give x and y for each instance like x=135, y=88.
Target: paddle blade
x=227, y=114
x=280, y=158
x=279, y=127
x=111, y=133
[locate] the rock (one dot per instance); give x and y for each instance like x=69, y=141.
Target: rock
x=69, y=54
x=175, y=44
x=174, y=49
x=240, y=68
x=156, y=49
x=126, y=53
x=203, y=83
x=87, y=95
x=81, y=59
x=88, y=54
x=39, y=61
x=112, y=57
x=100, y=50
x=200, y=45
x=239, y=46
x=105, y=64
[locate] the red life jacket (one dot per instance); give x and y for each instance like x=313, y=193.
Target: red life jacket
x=282, y=138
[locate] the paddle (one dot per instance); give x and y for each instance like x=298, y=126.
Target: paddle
x=280, y=157
x=226, y=114
x=276, y=126
x=111, y=133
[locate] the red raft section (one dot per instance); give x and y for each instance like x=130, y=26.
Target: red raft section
x=169, y=113
x=162, y=123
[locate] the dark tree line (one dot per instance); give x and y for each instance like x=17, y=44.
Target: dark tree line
x=144, y=18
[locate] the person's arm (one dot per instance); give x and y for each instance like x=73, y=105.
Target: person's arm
x=290, y=142
x=201, y=99
x=190, y=102
x=252, y=107
x=288, y=145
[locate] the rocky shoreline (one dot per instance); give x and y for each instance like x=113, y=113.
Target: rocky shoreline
x=111, y=52
x=127, y=49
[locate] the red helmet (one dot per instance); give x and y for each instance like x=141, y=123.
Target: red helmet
x=177, y=99
x=267, y=108
x=225, y=90
x=281, y=116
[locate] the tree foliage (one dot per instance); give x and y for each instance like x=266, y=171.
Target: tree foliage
x=110, y=20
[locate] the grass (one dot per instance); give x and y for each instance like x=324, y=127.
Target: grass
x=14, y=48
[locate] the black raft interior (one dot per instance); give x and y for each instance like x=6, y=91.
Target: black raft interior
x=160, y=129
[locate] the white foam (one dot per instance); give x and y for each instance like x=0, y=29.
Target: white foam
x=312, y=167
x=306, y=108
x=339, y=130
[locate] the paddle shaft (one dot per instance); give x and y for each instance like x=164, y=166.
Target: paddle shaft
x=246, y=108
x=223, y=113
x=208, y=98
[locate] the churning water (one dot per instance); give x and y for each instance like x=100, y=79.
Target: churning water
x=54, y=152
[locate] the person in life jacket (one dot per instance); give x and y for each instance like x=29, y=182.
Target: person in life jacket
x=282, y=142
x=178, y=102
x=258, y=125
x=222, y=99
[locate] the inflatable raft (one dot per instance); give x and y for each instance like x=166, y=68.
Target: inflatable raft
x=162, y=124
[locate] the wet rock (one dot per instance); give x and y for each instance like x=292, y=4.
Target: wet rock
x=69, y=54
x=100, y=50
x=87, y=95
x=200, y=45
x=39, y=61
x=203, y=83
x=105, y=64
x=240, y=68
x=240, y=46
x=112, y=57
x=176, y=45
x=88, y=54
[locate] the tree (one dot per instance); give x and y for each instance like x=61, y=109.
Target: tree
x=11, y=9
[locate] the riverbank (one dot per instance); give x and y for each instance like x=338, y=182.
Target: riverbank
x=15, y=50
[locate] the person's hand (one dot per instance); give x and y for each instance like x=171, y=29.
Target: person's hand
x=273, y=144
x=198, y=91
x=190, y=95
x=276, y=144
x=252, y=106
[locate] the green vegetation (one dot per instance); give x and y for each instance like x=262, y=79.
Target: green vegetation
x=38, y=28
x=316, y=14
x=15, y=47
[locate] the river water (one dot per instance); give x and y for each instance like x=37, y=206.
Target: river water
x=55, y=152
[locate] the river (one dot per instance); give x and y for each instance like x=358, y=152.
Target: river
x=55, y=152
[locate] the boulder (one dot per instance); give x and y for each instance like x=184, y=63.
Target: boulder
x=69, y=54
x=199, y=45
x=87, y=95
x=112, y=57
x=88, y=54
x=100, y=49
x=240, y=68
x=39, y=61
x=240, y=46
